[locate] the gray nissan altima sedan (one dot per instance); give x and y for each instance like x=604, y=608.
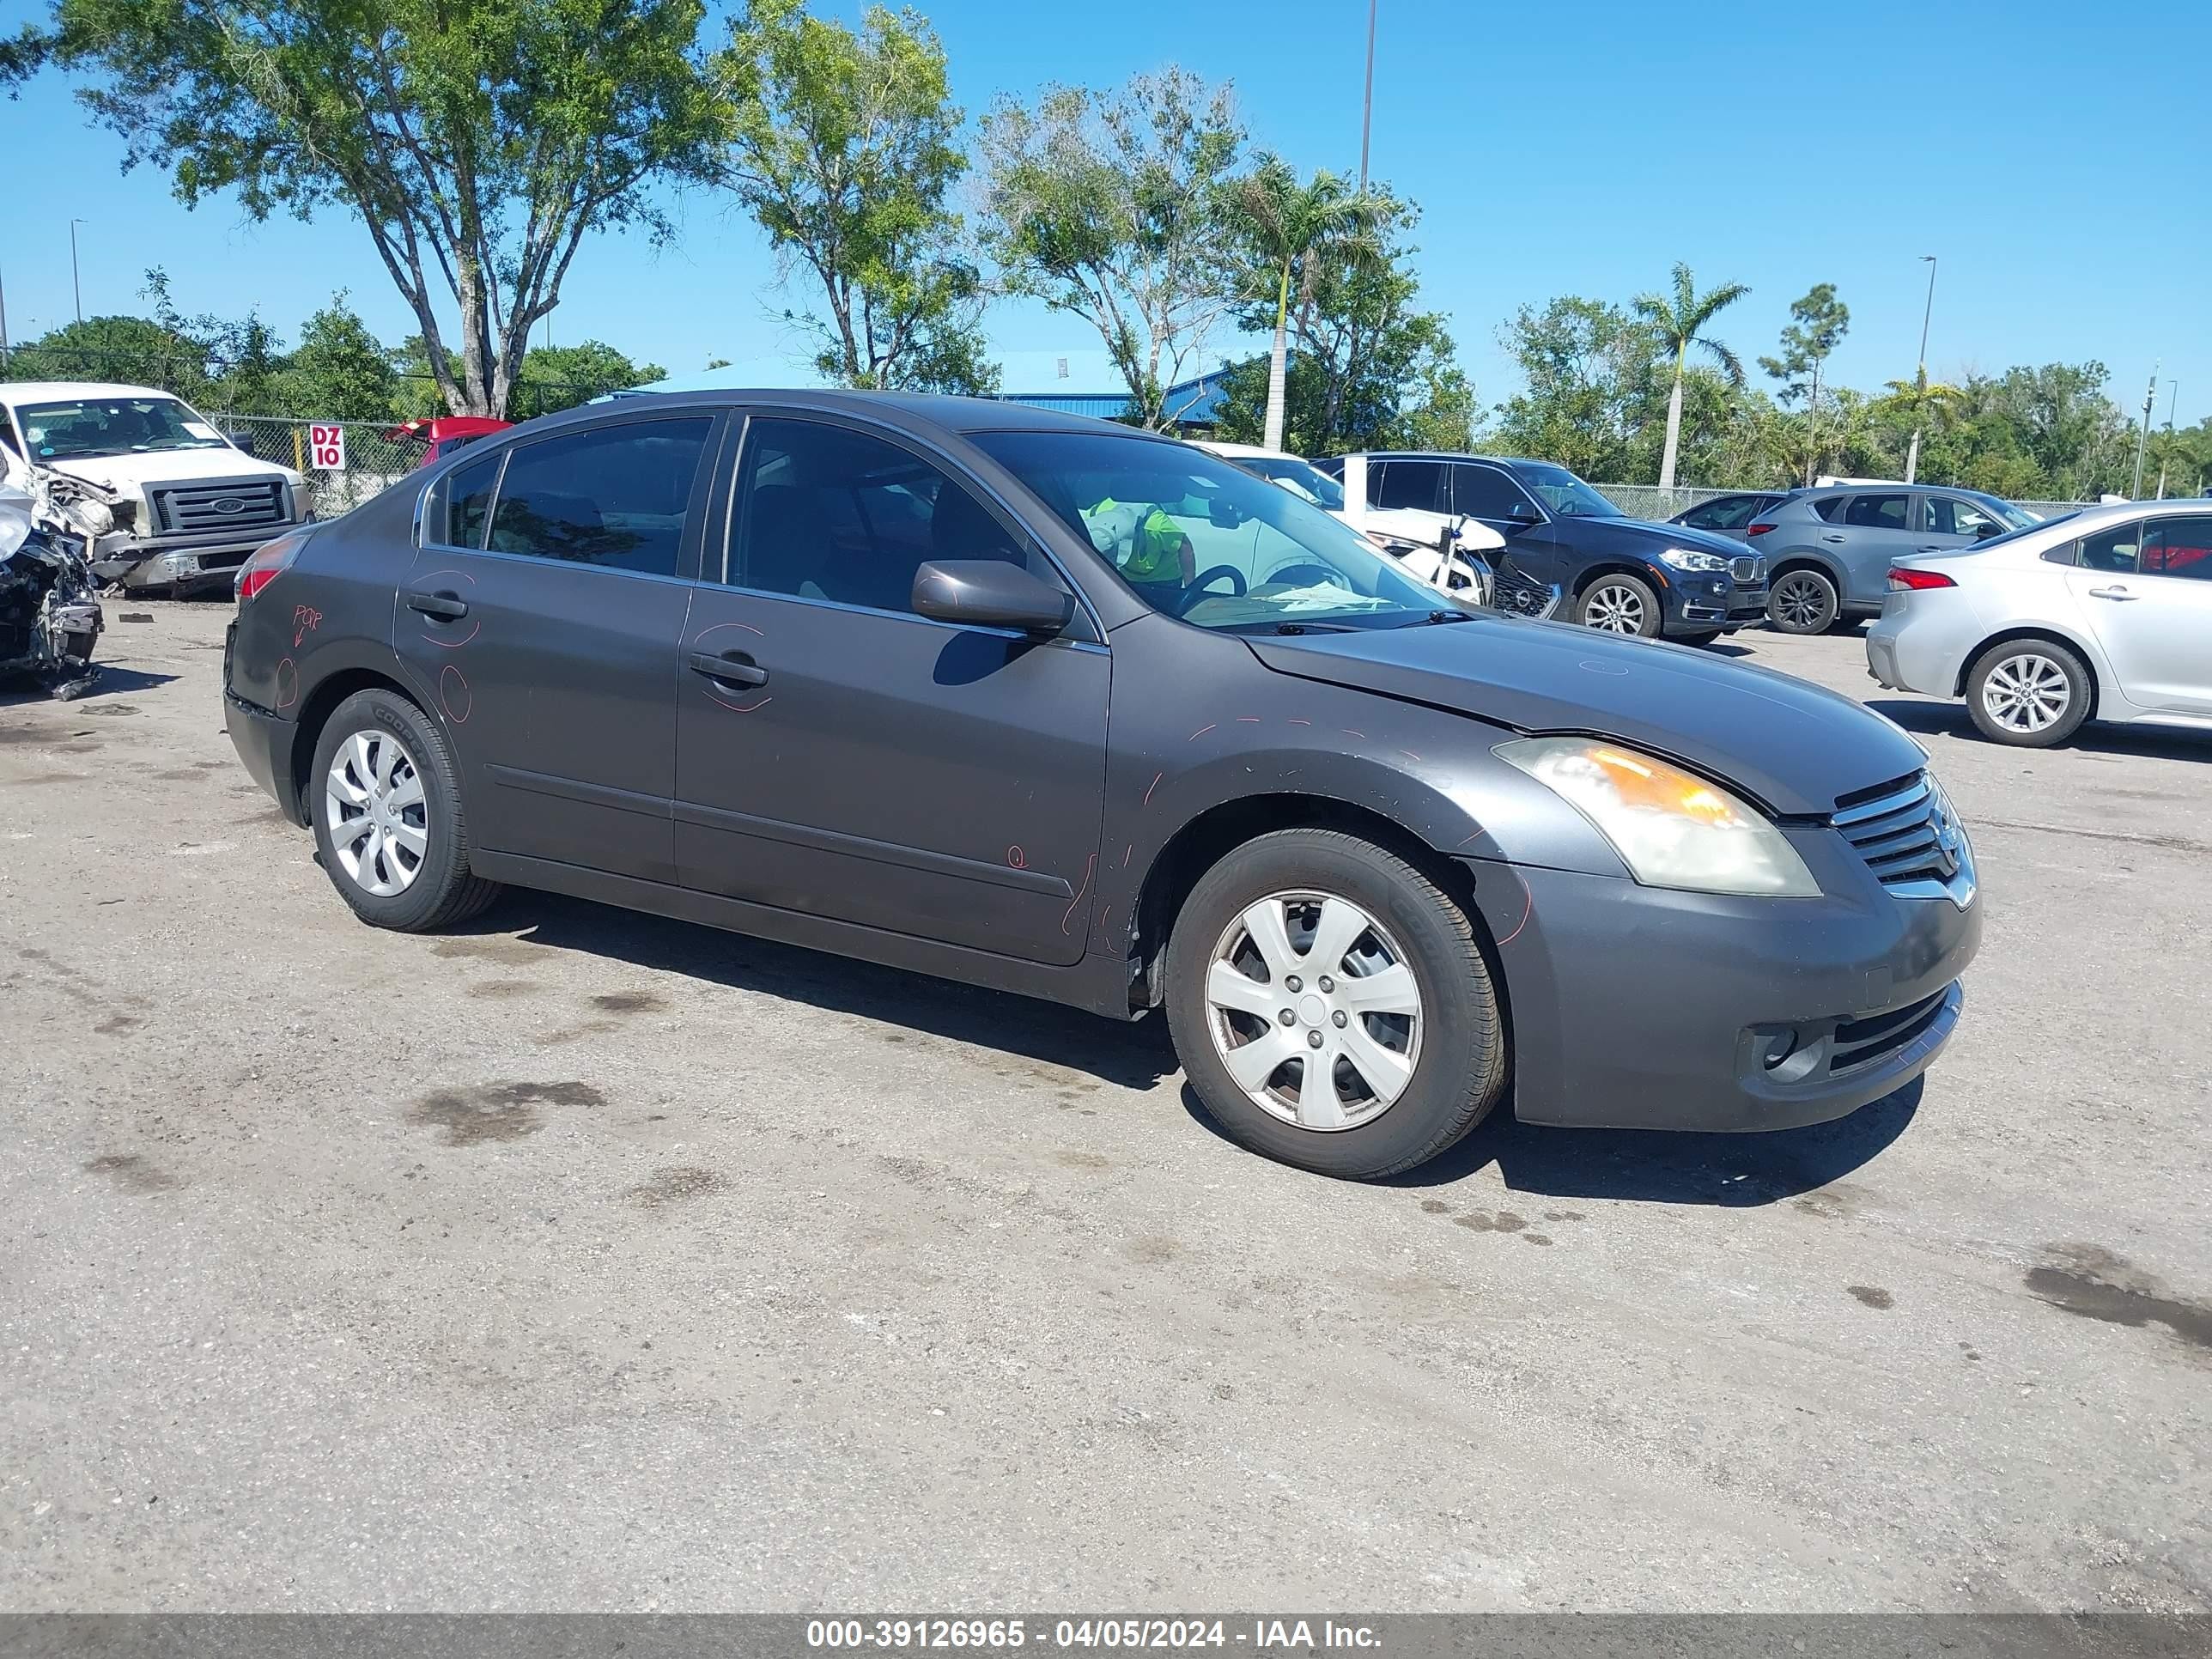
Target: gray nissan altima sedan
x=1053, y=706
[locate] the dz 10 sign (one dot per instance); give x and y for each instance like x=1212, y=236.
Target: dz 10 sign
x=326, y=448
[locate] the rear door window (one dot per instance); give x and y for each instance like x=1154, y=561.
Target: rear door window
x=461, y=503
x=1829, y=507
x=1417, y=484
x=616, y=495
x=2179, y=547
x=1879, y=511
x=2113, y=549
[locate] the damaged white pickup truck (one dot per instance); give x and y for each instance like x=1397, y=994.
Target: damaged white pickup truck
x=188, y=505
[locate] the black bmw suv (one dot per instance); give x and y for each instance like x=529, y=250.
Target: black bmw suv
x=1619, y=574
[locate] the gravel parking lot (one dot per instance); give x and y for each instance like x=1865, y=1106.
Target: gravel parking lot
x=590, y=1261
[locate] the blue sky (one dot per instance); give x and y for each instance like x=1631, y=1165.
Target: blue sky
x=2055, y=157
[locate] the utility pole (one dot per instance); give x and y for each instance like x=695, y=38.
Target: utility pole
x=2143, y=434
x=2173, y=392
x=76, y=285
x=1920, y=379
x=1367, y=103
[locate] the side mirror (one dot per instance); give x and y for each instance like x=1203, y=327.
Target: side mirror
x=991, y=593
x=1221, y=515
x=1988, y=531
x=1521, y=512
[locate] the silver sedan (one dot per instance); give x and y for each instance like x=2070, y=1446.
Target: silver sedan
x=2105, y=613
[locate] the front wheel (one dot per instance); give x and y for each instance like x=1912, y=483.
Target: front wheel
x=2029, y=693
x=1620, y=605
x=1331, y=1006
x=389, y=830
x=1802, y=602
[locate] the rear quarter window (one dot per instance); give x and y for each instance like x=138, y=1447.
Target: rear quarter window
x=1830, y=509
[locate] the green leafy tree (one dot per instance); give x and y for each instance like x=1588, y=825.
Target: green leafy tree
x=555, y=378
x=1291, y=232
x=479, y=141
x=339, y=371
x=1104, y=206
x=1680, y=320
x=1590, y=386
x=1818, y=323
x=844, y=145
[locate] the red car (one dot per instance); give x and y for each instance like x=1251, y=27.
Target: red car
x=444, y=434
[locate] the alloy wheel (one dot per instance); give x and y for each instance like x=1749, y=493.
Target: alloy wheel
x=1314, y=1011
x=1615, y=609
x=2027, y=693
x=1800, y=602
x=378, y=817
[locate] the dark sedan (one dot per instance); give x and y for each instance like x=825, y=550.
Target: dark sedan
x=1053, y=706
x=1619, y=575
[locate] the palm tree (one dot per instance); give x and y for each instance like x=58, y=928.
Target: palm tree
x=1291, y=230
x=1920, y=397
x=1680, y=322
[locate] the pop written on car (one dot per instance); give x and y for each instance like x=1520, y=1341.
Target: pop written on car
x=1052, y=706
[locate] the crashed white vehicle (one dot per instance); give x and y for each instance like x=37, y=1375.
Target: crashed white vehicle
x=188, y=505
x=1415, y=539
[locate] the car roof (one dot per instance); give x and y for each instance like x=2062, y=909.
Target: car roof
x=43, y=392
x=1446, y=455
x=913, y=409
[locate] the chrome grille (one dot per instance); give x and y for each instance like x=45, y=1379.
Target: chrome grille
x=247, y=504
x=1750, y=572
x=1909, y=837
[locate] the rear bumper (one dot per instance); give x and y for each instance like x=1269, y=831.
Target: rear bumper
x=263, y=739
x=1634, y=1007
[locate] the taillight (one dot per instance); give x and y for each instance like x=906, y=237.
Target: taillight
x=270, y=561
x=1758, y=529
x=1904, y=579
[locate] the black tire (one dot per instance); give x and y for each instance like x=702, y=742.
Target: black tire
x=1459, y=1073
x=442, y=889
x=1802, y=601
x=1613, y=592
x=2013, y=664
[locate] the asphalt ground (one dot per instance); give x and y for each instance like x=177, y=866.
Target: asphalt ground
x=583, y=1260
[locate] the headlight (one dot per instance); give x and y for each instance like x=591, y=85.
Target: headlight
x=1685, y=558
x=1670, y=828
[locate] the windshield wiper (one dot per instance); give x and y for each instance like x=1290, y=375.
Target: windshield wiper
x=1311, y=628
x=1437, y=617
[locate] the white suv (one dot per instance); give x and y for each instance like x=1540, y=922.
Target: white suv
x=189, y=505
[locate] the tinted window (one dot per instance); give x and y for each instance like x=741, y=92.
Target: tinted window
x=1730, y=513
x=2113, y=547
x=2179, y=547
x=611, y=496
x=1828, y=506
x=1947, y=516
x=1484, y=492
x=1877, y=511
x=457, y=512
x=1412, y=484
x=830, y=513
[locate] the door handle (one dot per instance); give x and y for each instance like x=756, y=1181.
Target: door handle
x=1831, y=537
x=736, y=669
x=451, y=607
x=2118, y=594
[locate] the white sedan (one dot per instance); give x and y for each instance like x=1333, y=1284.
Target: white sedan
x=2104, y=614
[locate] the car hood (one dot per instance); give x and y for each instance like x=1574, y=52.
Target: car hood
x=166, y=466
x=1794, y=747
x=1673, y=535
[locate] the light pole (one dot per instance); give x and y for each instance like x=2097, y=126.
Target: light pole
x=1367, y=102
x=2143, y=433
x=1920, y=380
x=2172, y=393
x=76, y=285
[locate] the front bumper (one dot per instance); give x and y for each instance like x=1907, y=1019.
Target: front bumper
x=186, y=563
x=1636, y=1007
x=1717, y=602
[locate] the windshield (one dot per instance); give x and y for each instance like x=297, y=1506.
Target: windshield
x=1200, y=540
x=2018, y=518
x=112, y=426
x=1564, y=495
x=1294, y=475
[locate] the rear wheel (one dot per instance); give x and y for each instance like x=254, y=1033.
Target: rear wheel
x=1620, y=605
x=1331, y=1006
x=1802, y=602
x=2028, y=693
x=389, y=826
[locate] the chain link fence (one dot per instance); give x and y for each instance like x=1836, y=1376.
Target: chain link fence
x=373, y=462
